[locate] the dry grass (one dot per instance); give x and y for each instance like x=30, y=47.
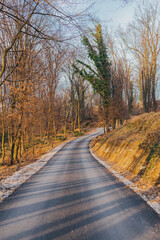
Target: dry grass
x=134, y=150
x=27, y=158
x=39, y=150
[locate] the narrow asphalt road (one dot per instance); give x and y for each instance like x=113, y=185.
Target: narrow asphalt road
x=74, y=197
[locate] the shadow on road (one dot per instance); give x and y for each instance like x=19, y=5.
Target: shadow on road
x=73, y=197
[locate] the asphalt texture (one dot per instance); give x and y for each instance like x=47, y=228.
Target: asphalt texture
x=74, y=197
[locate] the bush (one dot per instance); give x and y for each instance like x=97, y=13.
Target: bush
x=77, y=134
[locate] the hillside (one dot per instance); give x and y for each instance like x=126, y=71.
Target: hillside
x=134, y=151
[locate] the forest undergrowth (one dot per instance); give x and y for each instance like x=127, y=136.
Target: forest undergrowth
x=34, y=153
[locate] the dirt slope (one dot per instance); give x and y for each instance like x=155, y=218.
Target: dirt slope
x=134, y=151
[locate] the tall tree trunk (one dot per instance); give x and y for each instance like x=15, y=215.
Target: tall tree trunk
x=75, y=120
x=78, y=110
x=33, y=141
x=3, y=133
x=23, y=147
x=144, y=92
x=104, y=121
x=54, y=126
x=12, y=153
x=153, y=94
x=15, y=154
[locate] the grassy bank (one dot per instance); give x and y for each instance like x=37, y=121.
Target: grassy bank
x=134, y=150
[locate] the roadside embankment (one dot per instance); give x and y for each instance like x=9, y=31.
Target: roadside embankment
x=133, y=150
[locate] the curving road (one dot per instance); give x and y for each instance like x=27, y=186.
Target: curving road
x=74, y=197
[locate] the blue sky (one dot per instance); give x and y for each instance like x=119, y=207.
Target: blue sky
x=115, y=12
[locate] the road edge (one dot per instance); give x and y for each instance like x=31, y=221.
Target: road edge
x=154, y=205
x=11, y=183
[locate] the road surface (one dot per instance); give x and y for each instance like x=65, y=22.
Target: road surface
x=74, y=197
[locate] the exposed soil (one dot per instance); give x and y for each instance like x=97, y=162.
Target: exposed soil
x=133, y=150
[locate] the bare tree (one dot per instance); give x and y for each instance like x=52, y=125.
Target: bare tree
x=142, y=38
